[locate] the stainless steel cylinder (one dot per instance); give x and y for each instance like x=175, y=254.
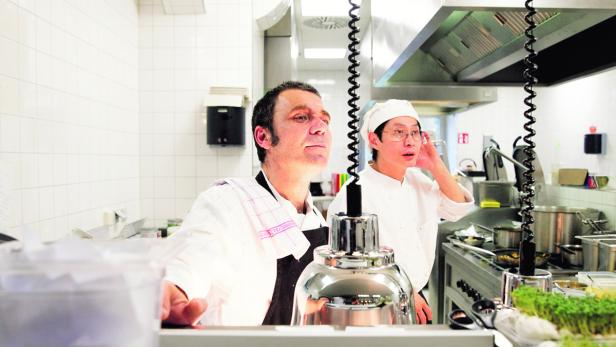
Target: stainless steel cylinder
x=558, y=225
x=353, y=281
x=507, y=237
x=354, y=234
x=511, y=280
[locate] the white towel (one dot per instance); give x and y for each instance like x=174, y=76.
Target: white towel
x=275, y=228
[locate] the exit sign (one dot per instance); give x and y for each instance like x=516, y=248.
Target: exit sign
x=463, y=138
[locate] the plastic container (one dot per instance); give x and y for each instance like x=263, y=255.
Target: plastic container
x=80, y=304
x=489, y=204
x=150, y=233
x=600, y=283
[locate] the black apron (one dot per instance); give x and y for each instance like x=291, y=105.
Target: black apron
x=288, y=270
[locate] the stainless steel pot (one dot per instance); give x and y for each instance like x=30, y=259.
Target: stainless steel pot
x=500, y=191
x=506, y=237
x=558, y=225
x=572, y=254
x=590, y=248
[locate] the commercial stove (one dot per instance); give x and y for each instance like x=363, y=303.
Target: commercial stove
x=484, y=216
x=469, y=276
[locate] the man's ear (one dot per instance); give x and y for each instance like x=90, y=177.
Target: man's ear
x=374, y=141
x=263, y=137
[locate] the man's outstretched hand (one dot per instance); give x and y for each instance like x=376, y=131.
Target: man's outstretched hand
x=423, y=312
x=177, y=309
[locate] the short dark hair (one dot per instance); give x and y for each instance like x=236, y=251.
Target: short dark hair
x=263, y=112
x=379, y=132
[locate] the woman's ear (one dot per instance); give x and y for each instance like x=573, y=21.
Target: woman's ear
x=263, y=137
x=374, y=140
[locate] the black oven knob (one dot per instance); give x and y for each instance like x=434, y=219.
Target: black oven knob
x=460, y=283
x=465, y=287
x=477, y=297
x=471, y=292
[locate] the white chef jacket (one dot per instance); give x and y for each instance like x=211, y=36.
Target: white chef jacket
x=408, y=216
x=225, y=262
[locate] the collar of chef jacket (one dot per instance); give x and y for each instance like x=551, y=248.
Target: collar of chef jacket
x=312, y=219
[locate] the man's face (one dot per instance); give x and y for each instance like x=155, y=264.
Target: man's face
x=302, y=127
x=399, y=144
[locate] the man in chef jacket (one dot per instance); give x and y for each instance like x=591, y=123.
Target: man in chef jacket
x=251, y=238
x=408, y=203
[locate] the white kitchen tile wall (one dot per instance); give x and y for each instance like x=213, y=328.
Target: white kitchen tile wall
x=69, y=119
x=180, y=58
x=565, y=113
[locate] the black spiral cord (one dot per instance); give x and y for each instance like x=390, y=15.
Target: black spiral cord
x=353, y=189
x=527, y=246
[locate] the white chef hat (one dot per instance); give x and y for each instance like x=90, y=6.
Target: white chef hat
x=381, y=112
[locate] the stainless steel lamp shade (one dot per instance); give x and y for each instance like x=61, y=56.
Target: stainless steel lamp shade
x=353, y=281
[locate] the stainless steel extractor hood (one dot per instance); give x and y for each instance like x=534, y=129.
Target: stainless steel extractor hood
x=286, y=28
x=429, y=99
x=458, y=42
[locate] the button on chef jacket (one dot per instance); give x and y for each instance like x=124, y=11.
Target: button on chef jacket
x=225, y=262
x=408, y=216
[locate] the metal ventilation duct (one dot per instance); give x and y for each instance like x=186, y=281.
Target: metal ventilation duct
x=428, y=99
x=326, y=23
x=476, y=41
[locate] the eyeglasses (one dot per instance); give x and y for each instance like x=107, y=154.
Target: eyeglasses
x=400, y=135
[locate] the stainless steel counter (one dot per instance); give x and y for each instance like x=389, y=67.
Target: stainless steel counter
x=311, y=336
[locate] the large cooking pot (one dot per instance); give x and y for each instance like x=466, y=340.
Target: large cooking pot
x=558, y=225
x=500, y=191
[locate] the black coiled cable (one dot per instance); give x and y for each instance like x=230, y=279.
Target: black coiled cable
x=527, y=248
x=353, y=98
x=353, y=189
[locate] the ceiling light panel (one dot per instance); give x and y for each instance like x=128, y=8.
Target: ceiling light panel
x=324, y=53
x=327, y=8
